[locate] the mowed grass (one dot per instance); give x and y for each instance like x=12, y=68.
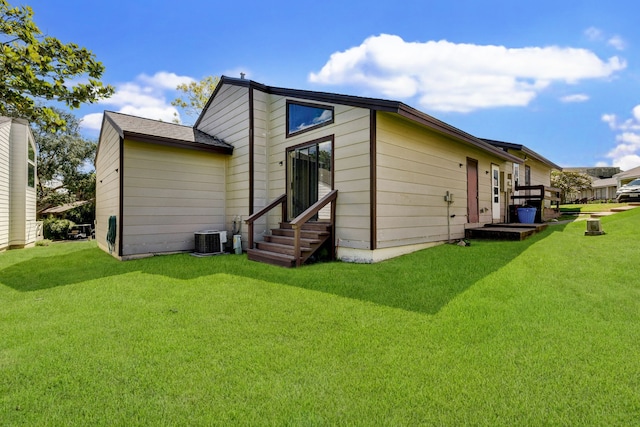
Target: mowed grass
x=591, y=207
x=538, y=332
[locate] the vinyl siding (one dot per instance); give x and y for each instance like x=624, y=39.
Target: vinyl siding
x=18, y=185
x=260, y=156
x=17, y=200
x=228, y=119
x=169, y=194
x=540, y=173
x=30, y=206
x=5, y=130
x=416, y=167
x=108, y=185
x=351, y=164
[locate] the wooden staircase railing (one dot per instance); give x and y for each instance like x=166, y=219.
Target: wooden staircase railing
x=282, y=200
x=312, y=211
x=297, y=224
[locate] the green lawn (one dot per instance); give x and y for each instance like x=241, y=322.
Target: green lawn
x=540, y=332
x=591, y=207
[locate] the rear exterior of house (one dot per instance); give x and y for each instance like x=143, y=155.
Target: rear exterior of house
x=390, y=164
x=532, y=169
x=160, y=186
x=18, y=226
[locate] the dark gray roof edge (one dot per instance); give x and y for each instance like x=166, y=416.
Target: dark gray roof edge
x=220, y=146
x=524, y=149
x=364, y=102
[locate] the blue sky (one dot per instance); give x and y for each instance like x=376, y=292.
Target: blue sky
x=561, y=77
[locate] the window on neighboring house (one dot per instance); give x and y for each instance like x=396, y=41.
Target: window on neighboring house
x=304, y=117
x=31, y=166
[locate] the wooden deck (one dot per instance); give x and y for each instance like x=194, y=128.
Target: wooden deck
x=503, y=231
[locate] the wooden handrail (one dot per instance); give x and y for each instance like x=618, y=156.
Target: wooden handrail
x=281, y=200
x=554, y=197
x=305, y=216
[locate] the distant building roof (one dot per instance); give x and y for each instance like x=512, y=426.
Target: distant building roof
x=157, y=132
x=631, y=173
x=66, y=207
x=605, y=182
x=596, y=171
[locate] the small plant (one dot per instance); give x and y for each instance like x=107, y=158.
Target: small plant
x=56, y=229
x=43, y=242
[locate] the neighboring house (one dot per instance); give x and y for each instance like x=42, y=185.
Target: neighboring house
x=533, y=170
x=18, y=226
x=604, y=183
x=603, y=189
x=159, y=183
x=626, y=177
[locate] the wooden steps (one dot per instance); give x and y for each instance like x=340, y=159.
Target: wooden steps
x=278, y=248
x=502, y=231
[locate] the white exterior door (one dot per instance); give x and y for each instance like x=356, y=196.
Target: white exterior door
x=495, y=192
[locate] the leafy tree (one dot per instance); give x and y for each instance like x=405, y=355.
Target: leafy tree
x=570, y=183
x=35, y=68
x=196, y=95
x=65, y=164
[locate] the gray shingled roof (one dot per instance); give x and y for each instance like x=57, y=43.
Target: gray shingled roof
x=154, y=131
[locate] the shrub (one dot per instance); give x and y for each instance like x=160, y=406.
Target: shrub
x=43, y=242
x=56, y=229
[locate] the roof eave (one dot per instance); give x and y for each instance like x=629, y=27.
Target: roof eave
x=524, y=149
x=369, y=103
x=170, y=142
x=540, y=158
x=444, y=128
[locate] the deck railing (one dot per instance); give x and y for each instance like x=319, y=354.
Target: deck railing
x=540, y=195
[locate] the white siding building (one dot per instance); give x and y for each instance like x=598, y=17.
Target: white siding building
x=17, y=184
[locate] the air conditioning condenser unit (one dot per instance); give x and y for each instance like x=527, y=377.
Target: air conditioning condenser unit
x=209, y=242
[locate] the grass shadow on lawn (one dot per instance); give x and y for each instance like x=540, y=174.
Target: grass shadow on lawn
x=423, y=281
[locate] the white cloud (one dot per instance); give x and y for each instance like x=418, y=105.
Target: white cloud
x=578, y=97
x=626, y=153
x=446, y=76
x=92, y=121
x=597, y=35
x=611, y=120
x=617, y=42
x=628, y=162
x=146, y=96
x=165, y=80
x=594, y=33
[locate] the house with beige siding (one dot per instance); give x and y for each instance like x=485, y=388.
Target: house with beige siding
x=18, y=226
x=532, y=170
x=386, y=178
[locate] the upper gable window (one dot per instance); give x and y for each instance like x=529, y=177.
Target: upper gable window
x=304, y=117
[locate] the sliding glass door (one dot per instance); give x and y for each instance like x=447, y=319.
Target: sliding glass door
x=310, y=176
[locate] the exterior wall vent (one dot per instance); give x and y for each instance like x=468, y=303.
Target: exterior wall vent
x=209, y=242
